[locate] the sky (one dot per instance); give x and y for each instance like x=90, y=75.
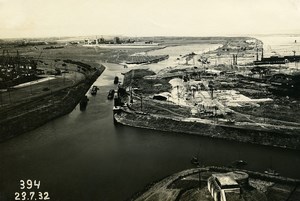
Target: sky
x=45, y=18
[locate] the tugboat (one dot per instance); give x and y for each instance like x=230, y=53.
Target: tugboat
x=111, y=94
x=116, y=80
x=83, y=103
x=94, y=90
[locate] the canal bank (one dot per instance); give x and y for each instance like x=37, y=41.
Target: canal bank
x=30, y=115
x=256, y=135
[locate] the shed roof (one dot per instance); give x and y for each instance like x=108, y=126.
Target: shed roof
x=226, y=180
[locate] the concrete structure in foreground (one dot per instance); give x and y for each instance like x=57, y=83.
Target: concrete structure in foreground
x=227, y=186
x=220, y=184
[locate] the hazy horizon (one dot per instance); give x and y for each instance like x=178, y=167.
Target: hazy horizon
x=126, y=36
x=192, y=18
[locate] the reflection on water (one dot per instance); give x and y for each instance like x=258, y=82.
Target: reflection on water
x=84, y=156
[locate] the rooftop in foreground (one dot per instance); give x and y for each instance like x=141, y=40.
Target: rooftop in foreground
x=225, y=180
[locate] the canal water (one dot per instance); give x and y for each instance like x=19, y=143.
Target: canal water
x=84, y=156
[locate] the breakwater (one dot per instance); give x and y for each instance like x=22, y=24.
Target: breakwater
x=28, y=116
x=254, y=136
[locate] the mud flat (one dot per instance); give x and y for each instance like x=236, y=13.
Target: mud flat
x=28, y=116
x=271, y=137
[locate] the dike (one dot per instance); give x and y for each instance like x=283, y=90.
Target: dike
x=43, y=109
x=290, y=140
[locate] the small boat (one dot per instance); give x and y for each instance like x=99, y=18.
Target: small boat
x=195, y=161
x=271, y=172
x=83, y=103
x=239, y=163
x=94, y=90
x=111, y=94
x=116, y=80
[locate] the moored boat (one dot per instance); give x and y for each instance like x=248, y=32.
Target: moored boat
x=94, y=90
x=111, y=94
x=83, y=103
x=116, y=80
x=195, y=161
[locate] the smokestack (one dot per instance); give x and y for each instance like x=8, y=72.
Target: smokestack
x=257, y=54
x=262, y=53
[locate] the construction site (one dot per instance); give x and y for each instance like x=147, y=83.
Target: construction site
x=232, y=88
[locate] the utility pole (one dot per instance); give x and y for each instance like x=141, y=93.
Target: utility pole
x=131, y=101
x=1, y=98
x=18, y=61
x=295, y=58
x=8, y=89
x=64, y=76
x=178, y=93
x=199, y=179
x=30, y=87
x=141, y=102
